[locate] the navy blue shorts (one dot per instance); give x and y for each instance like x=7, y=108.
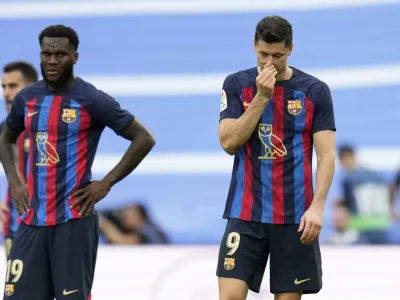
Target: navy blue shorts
x=245, y=249
x=53, y=262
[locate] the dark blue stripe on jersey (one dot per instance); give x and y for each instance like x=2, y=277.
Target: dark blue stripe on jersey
x=256, y=215
x=72, y=154
x=232, y=189
x=62, y=143
x=300, y=123
x=42, y=170
x=288, y=164
x=13, y=226
x=237, y=200
x=266, y=170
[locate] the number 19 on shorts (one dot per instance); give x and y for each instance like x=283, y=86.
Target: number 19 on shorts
x=14, y=270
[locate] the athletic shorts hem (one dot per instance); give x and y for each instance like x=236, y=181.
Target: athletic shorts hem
x=248, y=282
x=304, y=292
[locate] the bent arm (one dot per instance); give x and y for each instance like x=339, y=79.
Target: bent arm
x=234, y=133
x=141, y=143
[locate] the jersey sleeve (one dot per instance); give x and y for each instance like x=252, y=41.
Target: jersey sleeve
x=16, y=118
x=324, y=117
x=109, y=113
x=231, y=106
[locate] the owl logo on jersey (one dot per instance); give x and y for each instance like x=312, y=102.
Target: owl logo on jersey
x=69, y=115
x=272, y=144
x=294, y=107
x=48, y=154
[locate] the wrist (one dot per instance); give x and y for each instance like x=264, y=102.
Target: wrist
x=107, y=183
x=261, y=98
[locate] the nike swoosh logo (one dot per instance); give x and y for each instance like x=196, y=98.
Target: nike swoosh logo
x=301, y=281
x=32, y=113
x=66, y=293
x=245, y=103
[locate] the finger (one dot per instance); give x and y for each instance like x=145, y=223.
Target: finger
x=79, y=200
x=271, y=79
x=90, y=209
x=258, y=69
x=77, y=193
x=302, y=223
x=312, y=234
x=84, y=207
x=268, y=75
x=306, y=232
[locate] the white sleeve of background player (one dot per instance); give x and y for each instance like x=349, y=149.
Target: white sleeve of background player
x=231, y=106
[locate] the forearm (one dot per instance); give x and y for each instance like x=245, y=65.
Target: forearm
x=237, y=133
x=324, y=176
x=137, y=151
x=9, y=159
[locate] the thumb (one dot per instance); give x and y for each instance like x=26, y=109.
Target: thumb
x=302, y=224
x=259, y=69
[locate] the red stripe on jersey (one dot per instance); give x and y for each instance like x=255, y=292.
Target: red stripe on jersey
x=248, y=198
x=84, y=124
x=30, y=182
x=51, y=177
x=307, y=150
x=278, y=205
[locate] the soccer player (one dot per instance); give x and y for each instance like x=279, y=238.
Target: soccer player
x=270, y=118
x=55, y=247
x=16, y=76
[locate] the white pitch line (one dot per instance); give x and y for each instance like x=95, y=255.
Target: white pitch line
x=379, y=159
x=208, y=84
x=78, y=9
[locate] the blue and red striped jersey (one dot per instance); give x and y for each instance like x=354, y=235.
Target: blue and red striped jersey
x=272, y=173
x=64, y=131
x=12, y=219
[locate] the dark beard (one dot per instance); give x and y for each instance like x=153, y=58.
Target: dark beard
x=62, y=81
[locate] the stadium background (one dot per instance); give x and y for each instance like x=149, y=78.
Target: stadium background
x=166, y=64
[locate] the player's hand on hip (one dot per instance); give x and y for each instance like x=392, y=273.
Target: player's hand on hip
x=88, y=196
x=19, y=193
x=3, y=210
x=265, y=82
x=311, y=225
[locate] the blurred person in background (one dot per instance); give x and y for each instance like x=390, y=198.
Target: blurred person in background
x=366, y=194
x=65, y=117
x=343, y=234
x=271, y=118
x=136, y=227
x=16, y=76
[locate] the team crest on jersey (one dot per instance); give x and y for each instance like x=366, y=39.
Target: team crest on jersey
x=69, y=115
x=229, y=264
x=224, y=102
x=9, y=290
x=273, y=145
x=48, y=153
x=294, y=107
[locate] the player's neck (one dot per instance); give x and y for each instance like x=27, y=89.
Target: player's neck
x=286, y=74
x=60, y=88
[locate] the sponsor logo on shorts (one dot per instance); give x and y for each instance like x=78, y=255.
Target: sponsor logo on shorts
x=301, y=281
x=229, y=264
x=9, y=289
